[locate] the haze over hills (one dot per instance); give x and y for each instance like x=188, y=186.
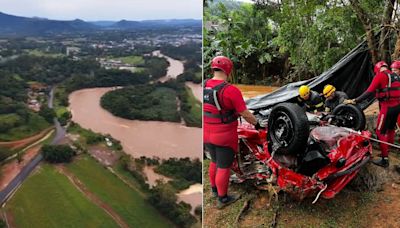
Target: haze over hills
x=11, y=25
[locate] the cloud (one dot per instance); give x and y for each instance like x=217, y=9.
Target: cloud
x=104, y=9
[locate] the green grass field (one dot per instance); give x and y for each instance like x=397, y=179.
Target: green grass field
x=134, y=60
x=124, y=200
x=35, y=124
x=48, y=199
x=40, y=53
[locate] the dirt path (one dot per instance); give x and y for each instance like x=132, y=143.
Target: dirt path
x=24, y=142
x=92, y=197
x=10, y=170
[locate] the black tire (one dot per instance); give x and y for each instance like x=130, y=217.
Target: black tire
x=352, y=115
x=288, y=128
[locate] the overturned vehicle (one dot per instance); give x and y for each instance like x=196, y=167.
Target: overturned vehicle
x=304, y=154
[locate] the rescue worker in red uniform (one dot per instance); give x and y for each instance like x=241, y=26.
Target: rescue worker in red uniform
x=395, y=67
x=386, y=88
x=223, y=104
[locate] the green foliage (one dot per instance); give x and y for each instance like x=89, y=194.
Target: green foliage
x=190, y=108
x=143, y=102
x=9, y=121
x=156, y=67
x=47, y=113
x=164, y=199
x=88, y=135
x=245, y=35
x=181, y=169
x=316, y=34
x=11, y=87
x=284, y=40
x=31, y=124
x=3, y=224
x=57, y=153
x=5, y=153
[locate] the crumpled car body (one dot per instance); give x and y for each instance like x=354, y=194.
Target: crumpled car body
x=339, y=157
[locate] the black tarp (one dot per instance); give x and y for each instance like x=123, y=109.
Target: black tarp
x=351, y=74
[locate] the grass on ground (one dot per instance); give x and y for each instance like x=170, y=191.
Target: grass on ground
x=40, y=53
x=134, y=60
x=34, y=125
x=128, y=203
x=60, y=101
x=48, y=199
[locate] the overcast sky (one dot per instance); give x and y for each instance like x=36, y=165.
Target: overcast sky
x=91, y=10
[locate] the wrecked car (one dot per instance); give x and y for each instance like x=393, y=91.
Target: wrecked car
x=305, y=155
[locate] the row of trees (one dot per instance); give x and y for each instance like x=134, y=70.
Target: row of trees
x=184, y=171
x=294, y=40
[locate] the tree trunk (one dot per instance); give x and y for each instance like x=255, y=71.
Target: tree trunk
x=367, y=24
x=396, y=53
x=384, y=36
x=286, y=66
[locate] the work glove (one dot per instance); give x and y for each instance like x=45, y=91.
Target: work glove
x=258, y=125
x=349, y=101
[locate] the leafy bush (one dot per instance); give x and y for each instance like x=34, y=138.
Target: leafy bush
x=163, y=198
x=57, y=153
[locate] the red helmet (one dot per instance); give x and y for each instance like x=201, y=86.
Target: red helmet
x=378, y=66
x=223, y=63
x=395, y=64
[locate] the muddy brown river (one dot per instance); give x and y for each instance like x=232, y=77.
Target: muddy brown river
x=138, y=138
x=143, y=138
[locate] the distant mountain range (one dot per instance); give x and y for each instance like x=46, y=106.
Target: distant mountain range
x=11, y=25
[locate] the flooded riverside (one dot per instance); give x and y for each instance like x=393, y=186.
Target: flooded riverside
x=175, y=67
x=143, y=138
x=138, y=138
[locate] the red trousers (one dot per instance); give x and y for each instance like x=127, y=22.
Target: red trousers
x=386, y=125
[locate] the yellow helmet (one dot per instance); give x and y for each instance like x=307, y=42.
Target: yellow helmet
x=304, y=91
x=328, y=90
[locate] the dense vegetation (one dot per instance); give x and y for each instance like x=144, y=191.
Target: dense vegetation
x=184, y=171
x=143, y=102
x=163, y=197
x=58, y=153
x=280, y=41
x=191, y=55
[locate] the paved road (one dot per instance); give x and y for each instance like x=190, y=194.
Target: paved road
x=17, y=181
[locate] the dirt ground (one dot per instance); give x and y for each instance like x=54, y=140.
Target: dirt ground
x=11, y=169
x=24, y=142
x=350, y=208
x=104, y=155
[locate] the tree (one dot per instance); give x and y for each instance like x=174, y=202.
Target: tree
x=47, y=113
x=377, y=14
x=57, y=153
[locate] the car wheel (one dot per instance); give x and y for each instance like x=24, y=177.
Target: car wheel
x=350, y=116
x=288, y=128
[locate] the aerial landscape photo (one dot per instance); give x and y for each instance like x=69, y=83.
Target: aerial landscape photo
x=100, y=113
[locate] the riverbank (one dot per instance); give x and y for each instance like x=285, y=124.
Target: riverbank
x=138, y=138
